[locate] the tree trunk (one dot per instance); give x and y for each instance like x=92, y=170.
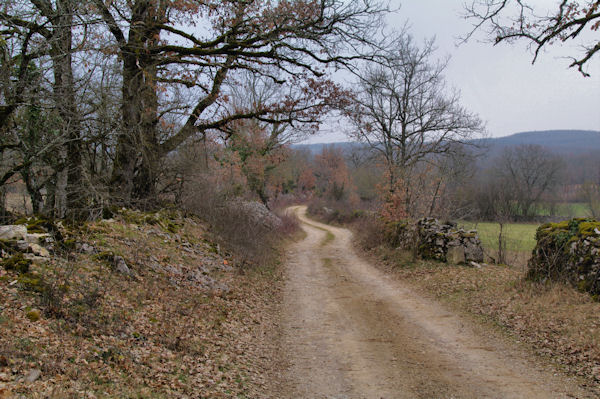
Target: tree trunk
x=137, y=157
x=501, y=246
x=60, y=196
x=64, y=92
x=51, y=207
x=37, y=200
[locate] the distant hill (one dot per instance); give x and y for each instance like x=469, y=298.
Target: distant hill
x=560, y=141
x=318, y=147
x=565, y=142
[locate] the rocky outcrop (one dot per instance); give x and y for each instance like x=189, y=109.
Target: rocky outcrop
x=568, y=251
x=444, y=242
x=16, y=239
x=13, y=232
x=257, y=212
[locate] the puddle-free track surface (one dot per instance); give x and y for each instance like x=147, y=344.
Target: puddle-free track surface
x=351, y=331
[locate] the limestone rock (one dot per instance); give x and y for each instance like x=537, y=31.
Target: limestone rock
x=455, y=255
x=473, y=252
x=443, y=242
x=85, y=248
x=22, y=245
x=39, y=250
x=36, y=238
x=31, y=248
x=259, y=213
x=13, y=232
x=32, y=375
x=121, y=265
x=568, y=251
x=35, y=258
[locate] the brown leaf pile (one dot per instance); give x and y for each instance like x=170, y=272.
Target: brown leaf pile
x=185, y=324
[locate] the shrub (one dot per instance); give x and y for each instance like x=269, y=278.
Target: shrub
x=334, y=212
x=369, y=232
x=33, y=315
x=289, y=223
x=245, y=228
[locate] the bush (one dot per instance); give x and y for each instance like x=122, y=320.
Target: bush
x=245, y=228
x=369, y=232
x=334, y=212
x=289, y=223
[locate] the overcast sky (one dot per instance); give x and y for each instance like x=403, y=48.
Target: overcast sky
x=499, y=82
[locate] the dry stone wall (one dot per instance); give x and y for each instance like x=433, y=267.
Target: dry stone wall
x=444, y=242
x=568, y=251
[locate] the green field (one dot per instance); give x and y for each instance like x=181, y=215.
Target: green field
x=520, y=237
x=567, y=210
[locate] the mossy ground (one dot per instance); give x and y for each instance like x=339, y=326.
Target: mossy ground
x=16, y=262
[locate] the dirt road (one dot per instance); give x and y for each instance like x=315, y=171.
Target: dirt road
x=351, y=331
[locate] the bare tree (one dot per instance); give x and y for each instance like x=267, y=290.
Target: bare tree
x=591, y=194
x=569, y=21
x=404, y=112
x=365, y=170
x=44, y=34
x=493, y=200
x=529, y=171
x=19, y=46
x=260, y=142
x=162, y=52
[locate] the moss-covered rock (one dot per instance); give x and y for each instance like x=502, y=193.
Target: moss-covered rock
x=32, y=282
x=397, y=233
x=16, y=262
x=167, y=219
x=36, y=224
x=42, y=225
x=568, y=251
x=33, y=315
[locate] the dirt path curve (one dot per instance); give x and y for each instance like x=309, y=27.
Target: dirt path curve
x=351, y=331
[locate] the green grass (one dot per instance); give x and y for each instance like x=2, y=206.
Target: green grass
x=329, y=237
x=520, y=237
x=568, y=210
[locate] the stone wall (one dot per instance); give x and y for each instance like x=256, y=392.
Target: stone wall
x=444, y=242
x=568, y=251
